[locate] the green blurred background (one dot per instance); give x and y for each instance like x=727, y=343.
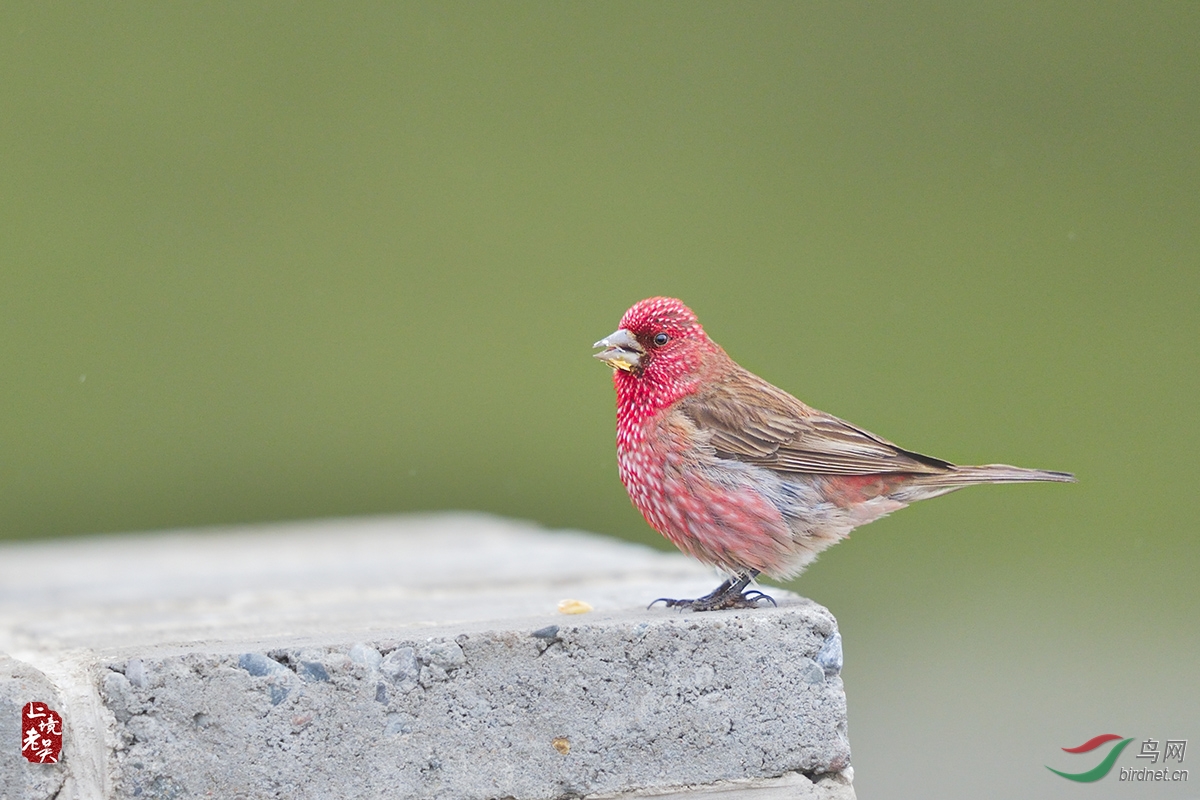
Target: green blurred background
x=273, y=261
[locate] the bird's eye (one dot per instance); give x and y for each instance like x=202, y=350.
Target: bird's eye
x=661, y=338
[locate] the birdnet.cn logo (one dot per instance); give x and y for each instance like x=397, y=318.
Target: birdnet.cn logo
x=1149, y=771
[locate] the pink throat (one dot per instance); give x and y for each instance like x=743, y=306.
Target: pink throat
x=642, y=397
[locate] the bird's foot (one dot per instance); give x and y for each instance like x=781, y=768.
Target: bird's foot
x=719, y=601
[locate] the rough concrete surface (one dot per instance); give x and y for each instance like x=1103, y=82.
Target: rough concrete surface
x=408, y=657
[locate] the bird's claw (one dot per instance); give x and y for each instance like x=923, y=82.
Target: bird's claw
x=753, y=596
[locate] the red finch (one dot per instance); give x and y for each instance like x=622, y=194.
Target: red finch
x=741, y=475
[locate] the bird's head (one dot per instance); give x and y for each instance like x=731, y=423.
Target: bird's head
x=659, y=340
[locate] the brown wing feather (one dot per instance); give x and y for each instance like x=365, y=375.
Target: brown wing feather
x=750, y=420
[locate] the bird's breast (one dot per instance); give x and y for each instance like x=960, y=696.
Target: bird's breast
x=712, y=509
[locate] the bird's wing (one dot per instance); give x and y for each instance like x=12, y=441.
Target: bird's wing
x=748, y=419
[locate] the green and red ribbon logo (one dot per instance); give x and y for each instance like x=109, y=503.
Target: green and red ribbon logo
x=1101, y=769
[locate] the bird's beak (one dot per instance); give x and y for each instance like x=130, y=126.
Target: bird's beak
x=621, y=350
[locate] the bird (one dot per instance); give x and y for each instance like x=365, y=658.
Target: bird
x=741, y=475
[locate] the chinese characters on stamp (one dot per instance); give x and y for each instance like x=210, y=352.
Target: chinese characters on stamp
x=41, y=733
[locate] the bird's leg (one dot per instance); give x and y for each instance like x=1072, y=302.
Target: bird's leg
x=735, y=596
x=729, y=594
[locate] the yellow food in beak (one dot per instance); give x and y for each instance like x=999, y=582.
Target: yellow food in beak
x=621, y=351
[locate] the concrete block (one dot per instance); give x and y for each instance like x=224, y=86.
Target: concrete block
x=409, y=657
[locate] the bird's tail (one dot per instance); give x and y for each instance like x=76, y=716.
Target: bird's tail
x=1001, y=473
x=926, y=486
